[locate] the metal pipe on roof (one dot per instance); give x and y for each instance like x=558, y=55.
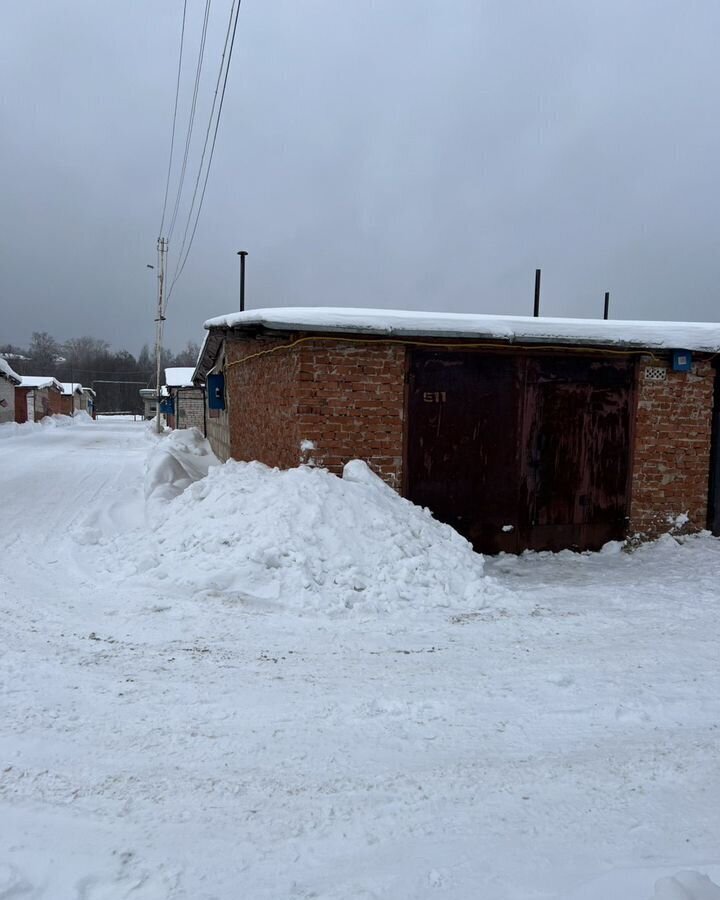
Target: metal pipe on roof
x=242, y=254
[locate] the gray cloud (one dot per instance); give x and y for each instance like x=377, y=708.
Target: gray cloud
x=400, y=153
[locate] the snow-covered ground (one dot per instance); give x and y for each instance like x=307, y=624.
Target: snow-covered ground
x=167, y=736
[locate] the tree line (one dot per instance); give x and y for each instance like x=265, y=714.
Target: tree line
x=116, y=376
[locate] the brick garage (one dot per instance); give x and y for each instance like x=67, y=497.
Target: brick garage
x=9, y=380
x=36, y=397
x=7, y=399
x=187, y=400
x=76, y=398
x=189, y=408
x=298, y=390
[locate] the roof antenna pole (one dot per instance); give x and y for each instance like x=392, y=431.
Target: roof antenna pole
x=242, y=254
x=536, y=310
x=607, y=304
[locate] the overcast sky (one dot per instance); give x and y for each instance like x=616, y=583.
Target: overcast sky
x=392, y=153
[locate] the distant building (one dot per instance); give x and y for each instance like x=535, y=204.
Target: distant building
x=76, y=398
x=149, y=399
x=9, y=380
x=89, y=402
x=186, y=401
x=37, y=396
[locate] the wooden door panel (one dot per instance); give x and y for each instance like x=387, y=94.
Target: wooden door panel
x=576, y=439
x=462, y=443
x=520, y=452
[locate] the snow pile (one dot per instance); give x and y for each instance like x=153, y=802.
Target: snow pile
x=12, y=429
x=686, y=886
x=304, y=537
x=179, y=459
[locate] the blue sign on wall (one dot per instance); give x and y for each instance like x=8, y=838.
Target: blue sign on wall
x=682, y=361
x=216, y=391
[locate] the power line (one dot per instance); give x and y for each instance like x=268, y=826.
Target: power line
x=212, y=150
x=198, y=70
x=207, y=133
x=172, y=138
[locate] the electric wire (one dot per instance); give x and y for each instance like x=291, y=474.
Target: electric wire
x=207, y=133
x=435, y=345
x=191, y=122
x=212, y=151
x=174, y=121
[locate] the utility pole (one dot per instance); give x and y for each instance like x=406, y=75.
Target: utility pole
x=162, y=246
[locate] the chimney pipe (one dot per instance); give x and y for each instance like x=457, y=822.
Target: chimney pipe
x=536, y=310
x=242, y=254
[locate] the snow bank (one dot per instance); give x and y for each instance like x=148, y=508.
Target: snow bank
x=12, y=429
x=179, y=459
x=302, y=537
x=686, y=886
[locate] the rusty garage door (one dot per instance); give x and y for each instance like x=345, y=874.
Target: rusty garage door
x=521, y=452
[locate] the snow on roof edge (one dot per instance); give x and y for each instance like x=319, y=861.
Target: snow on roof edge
x=698, y=336
x=39, y=382
x=9, y=373
x=71, y=387
x=179, y=376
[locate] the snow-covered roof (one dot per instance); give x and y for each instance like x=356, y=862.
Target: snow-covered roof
x=71, y=387
x=700, y=336
x=9, y=373
x=179, y=376
x=39, y=382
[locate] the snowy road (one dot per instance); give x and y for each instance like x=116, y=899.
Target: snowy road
x=156, y=744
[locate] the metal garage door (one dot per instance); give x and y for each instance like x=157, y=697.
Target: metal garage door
x=519, y=451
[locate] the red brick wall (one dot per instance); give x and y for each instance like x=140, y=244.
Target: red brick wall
x=55, y=403
x=261, y=396
x=345, y=397
x=351, y=404
x=672, y=449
